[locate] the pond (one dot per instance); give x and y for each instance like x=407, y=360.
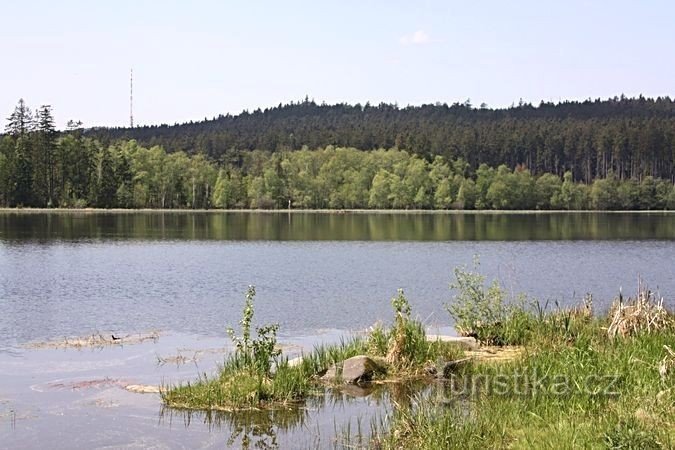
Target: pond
x=318, y=275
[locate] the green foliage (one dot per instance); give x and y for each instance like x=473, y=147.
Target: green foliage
x=605, y=194
x=485, y=313
x=631, y=435
x=572, y=196
x=571, y=387
x=547, y=187
x=106, y=186
x=631, y=136
x=453, y=170
x=22, y=178
x=405, y=346
x=255, y=353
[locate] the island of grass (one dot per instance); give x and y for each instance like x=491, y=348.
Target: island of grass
x=572, y=379
x=256, y=375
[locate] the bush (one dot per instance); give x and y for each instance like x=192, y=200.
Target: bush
x=484, y=313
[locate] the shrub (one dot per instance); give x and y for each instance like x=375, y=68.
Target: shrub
x=484, y=312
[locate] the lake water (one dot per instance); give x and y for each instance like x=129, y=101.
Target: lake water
x=77, y=273
x=317, y=275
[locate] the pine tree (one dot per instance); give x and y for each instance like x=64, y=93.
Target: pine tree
x=45, y=154
x=20, y=122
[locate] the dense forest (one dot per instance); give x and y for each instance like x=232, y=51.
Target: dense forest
x=627, y=143
x=630, y=137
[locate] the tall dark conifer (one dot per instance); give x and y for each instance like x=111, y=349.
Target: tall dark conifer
x=20, y=122
x=45, y=154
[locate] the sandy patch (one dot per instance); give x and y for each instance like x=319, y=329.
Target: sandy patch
x=98, y=383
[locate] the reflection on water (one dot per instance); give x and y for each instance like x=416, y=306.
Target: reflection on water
x=280, y=226
x=249, y=428
x=338, y=417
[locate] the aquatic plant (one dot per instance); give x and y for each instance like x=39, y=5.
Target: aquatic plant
x=259, y=352
x=643, y=314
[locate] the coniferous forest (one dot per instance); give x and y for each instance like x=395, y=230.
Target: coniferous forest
x=616, y=154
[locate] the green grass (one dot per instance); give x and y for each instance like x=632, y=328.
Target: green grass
x=257, y=376
x=236, y=387
x=573, y=388
x=416, y=352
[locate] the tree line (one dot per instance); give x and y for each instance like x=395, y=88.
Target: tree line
x=627, y=137
x=40, y=167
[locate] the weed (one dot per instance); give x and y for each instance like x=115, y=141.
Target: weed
x=484, y=313
x=252, y=377
x=405, y=346
x=255, y=353
x=644, y=313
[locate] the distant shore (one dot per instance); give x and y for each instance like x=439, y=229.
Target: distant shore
x=322, y=211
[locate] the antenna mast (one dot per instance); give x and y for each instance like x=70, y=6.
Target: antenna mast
x=131, y=99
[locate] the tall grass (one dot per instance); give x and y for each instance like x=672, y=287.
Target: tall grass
x=576, y=385
x=405, y=346
x=254, y=376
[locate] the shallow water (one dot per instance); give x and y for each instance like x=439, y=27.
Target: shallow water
x=75, y=398
x=74, y=274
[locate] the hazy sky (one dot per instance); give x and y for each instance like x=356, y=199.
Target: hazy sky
x=199, y=59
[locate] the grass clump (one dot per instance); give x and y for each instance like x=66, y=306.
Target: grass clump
x=405, y=347
x=254, y=376
x=325, y=356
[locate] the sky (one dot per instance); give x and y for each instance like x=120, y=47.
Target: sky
x=198, y=59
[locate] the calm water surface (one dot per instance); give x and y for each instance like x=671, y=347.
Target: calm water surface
x=74, y=273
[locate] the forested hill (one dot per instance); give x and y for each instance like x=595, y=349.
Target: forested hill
x=629, y=137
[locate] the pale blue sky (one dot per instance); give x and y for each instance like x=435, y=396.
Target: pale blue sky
x=201, y=58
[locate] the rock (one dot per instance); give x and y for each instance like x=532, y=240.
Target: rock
x=142, y=389
x=466, y=342
x=452, y=367
x=354, y=370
